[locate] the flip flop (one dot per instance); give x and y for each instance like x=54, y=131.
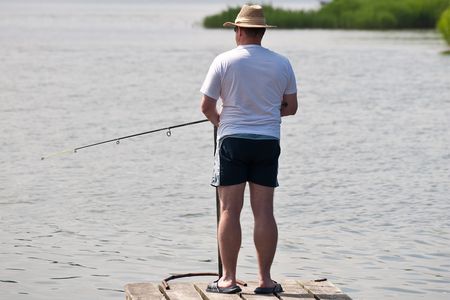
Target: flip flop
x=213, y=287
x=272, y=290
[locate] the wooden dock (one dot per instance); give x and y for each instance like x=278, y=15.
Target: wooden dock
x=293, y=289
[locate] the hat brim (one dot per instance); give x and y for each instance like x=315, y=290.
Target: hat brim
x=231, y=24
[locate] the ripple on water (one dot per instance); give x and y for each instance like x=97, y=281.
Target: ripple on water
x=364, y=172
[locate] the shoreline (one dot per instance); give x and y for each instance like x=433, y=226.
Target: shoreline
x=348, y=15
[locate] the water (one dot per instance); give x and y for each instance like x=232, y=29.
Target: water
x=364, y=195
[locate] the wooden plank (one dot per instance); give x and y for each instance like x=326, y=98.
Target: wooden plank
x=293, y=290
x=324, y=289
x=142, y=291
x=181, y=291
x=248, y=293
x=201, y=289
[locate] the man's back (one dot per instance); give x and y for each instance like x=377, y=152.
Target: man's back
x=252, y=82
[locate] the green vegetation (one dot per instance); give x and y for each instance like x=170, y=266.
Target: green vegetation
x=349, y=14
x=444, y=25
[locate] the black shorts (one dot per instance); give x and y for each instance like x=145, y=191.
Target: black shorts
x=240, y=160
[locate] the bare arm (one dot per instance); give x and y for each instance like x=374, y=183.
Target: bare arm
x=209, y=109
x=289, y=105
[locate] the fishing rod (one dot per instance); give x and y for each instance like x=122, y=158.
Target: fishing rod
x=117, y=140
x=168, y=133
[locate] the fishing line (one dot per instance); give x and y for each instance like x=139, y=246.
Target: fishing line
x=117, y=140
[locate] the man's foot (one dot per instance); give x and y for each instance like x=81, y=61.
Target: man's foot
x=269, y=290
x=213, y=287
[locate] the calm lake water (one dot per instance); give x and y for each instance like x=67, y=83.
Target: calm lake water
x=364, y=173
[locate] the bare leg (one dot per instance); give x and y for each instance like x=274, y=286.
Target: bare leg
x=229, y=230
x=265, y=232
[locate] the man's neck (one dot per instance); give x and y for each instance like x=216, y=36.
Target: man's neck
x=250, y=43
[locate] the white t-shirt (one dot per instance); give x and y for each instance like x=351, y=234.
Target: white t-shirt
x=251, y=81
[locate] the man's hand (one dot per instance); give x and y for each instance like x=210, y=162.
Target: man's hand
x=289, y=105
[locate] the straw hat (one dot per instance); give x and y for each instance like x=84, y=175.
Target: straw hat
x=250, y=16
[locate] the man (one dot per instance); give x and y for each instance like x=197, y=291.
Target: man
x=257, y=87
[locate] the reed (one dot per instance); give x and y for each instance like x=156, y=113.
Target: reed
x=444, y=25
x=349, y=14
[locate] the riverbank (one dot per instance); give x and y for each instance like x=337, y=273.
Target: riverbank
x=349, y=14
